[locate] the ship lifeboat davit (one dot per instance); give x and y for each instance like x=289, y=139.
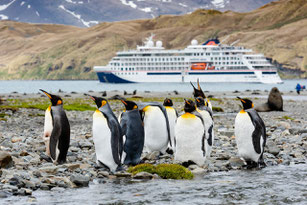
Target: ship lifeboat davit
x=202, y=66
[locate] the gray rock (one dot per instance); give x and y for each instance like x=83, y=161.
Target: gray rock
x=49, y=170
x=122, y=174
x=79, y=180
x=143, y=175
x=272, y=148
x=6, y=160
x=4, y=194
x=152, y=156
x=198, y=171
x=236, y=162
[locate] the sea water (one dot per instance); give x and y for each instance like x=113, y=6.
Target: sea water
x=26, y=86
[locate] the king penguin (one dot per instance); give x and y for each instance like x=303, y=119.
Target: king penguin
x=56, y=130
x=107, y=135
x=190, y=136
x=250, y=135
x=133, y=130
x=172, y=118
x=198, y=92
x=206, y=114
x=156, y=127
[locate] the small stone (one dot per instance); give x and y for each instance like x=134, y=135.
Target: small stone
x=143, y=175
x=72, y=167
x=49, y=170
x=122, y=174
x=103, y=174
x=235, y=162
x=79, y=180
x=85, y=144
x=4, y=194
x=272, y=148
x=28, y=191
x=198, y=171
x=16, y=139
x=6, y=160
x=24, y=153
x=152, y=156
x=286, y=125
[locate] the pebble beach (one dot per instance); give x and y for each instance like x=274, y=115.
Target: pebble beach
x=24, y=170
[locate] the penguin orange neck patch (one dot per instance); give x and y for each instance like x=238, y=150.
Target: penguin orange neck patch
x=242, y=111
x=188, y=115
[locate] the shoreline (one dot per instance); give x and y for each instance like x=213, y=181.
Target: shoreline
x=22, y=132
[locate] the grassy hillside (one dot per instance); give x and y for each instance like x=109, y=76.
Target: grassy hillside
x=34, y=51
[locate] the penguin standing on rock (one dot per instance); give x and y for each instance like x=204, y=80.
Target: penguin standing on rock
x=250, y=135
x=156, y=127
x=206, y=114
x=198, y=92
x=190, y=136
x=133, y=130
x=56, y=130
x=107, y=136
x=172, y=118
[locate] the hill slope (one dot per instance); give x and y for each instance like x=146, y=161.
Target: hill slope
x=85, y=13
x=31, y=51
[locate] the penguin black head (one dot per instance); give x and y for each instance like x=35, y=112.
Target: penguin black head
x=247, y=104
x=100, y=102
x=189, y=106
x=129, y=105
x=200, y=102
x=198, y=92
x=168, y=102
x=55, y=100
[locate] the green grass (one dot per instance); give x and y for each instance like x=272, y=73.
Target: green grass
x=165, y=171
x=77, y=104
x=287, y=118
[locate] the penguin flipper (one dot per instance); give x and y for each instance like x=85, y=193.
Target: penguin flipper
x=259, y=130
x=116, y=139
x=55, y=136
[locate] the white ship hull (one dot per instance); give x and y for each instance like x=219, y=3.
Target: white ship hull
x=248, y=76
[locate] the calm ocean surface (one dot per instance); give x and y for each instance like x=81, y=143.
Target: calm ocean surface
x=26, y=86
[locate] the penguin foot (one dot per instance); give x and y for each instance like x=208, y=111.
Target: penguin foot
x=45, y=157
x=101, y=166
x=169, y=151
x=261, y=164
x=120, y=169
x=188, y=163
x=250, y=165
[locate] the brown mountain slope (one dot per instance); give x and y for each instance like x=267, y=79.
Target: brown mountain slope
x=29, y=51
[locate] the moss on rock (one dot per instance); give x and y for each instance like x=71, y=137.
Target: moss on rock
x=165, y=171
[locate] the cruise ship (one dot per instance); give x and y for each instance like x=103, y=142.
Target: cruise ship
x=208, y=62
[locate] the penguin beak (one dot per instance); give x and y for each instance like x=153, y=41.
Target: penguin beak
x=48, y=94
x=185, y=100
x=199, y=88
x=93, y=98
x=123, y=102
x=243, y=101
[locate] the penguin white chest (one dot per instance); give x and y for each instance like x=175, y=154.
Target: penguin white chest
x=102, y=140
x=156, y=136
x=48, y=127
x=189, y=132
x=244, y=129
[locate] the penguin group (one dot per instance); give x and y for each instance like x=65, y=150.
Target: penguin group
x=152, y=126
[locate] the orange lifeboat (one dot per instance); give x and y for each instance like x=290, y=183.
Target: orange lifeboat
x=199, y=66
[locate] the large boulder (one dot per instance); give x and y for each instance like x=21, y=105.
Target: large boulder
x=274, y=103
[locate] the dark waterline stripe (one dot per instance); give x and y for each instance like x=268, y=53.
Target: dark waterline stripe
x=220, y=73
x=175, y=73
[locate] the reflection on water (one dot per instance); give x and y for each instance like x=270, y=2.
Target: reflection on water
x=272, y=185
x=85, y=86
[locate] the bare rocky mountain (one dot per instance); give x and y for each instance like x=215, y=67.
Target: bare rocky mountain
x=44, y=51
x=85, y=13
